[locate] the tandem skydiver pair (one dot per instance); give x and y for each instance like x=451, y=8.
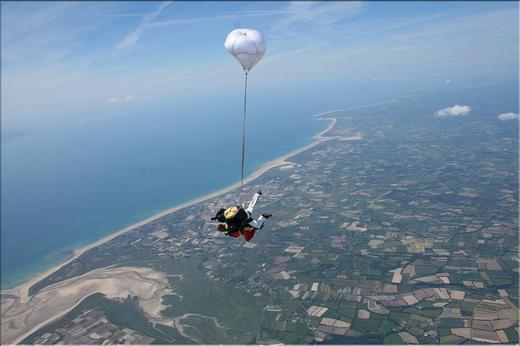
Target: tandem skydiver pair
x=237, y=221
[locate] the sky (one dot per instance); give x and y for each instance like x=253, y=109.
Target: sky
x=70, y=61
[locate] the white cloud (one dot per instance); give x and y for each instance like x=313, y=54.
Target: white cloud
x=455, y=25
x=129, y=98
x=320, y=14
x=454, y=111
x=131, y=39
x=405, y=48
x=289, y=19
x=508, y=116
x=36, y=34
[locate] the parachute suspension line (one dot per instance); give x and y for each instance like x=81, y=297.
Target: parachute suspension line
x=243, y=137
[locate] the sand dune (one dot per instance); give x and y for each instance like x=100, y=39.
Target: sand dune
x=23, y=317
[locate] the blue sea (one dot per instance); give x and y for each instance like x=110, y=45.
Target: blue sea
x=70, y=182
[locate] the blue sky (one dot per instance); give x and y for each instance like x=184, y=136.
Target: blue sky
x=60, y=59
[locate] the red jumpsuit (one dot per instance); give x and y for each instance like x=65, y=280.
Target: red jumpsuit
x=247, y=231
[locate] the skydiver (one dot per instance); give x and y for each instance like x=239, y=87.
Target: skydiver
x=237, y=215
x=237, y=221
x=247, y=230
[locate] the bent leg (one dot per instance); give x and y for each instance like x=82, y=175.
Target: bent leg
x=252, y=204
x=248, y=235
x=234, y=234
x=259, y=223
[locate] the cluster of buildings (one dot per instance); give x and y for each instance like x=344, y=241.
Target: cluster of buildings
x=92, y=327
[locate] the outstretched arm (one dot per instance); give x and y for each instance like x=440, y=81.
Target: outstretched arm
x=219, y=213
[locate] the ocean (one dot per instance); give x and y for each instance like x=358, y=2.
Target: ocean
x=66, y=186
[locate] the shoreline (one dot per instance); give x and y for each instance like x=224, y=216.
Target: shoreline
x=22, y=290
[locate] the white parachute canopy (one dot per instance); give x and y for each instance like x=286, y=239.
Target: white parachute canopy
x=247, y=46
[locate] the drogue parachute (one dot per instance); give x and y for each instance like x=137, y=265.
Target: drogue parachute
x=248, y=47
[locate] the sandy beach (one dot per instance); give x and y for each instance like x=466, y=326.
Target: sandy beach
x=22, y=290
x=22, y=318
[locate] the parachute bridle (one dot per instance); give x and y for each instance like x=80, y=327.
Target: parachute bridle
x=243, y=137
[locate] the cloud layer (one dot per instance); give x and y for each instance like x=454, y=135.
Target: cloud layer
x=130, y=98
x=131, y=39
x=67, y=56
x=508, y=116
x=453, y=111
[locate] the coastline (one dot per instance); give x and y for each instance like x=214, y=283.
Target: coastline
x=22, y=290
